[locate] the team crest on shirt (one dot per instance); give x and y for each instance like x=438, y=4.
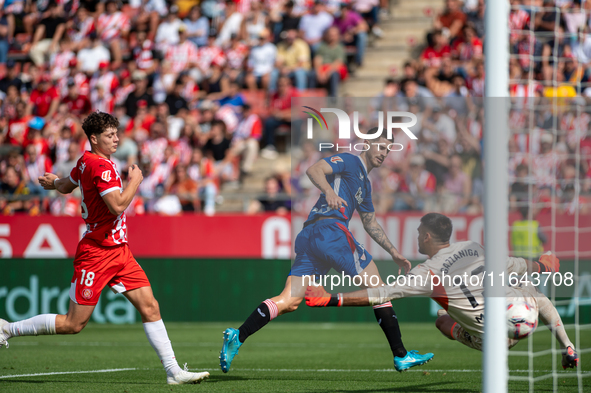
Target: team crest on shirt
x=87, y=293
x=82, y=167
x=106, y=176
x=336, y=159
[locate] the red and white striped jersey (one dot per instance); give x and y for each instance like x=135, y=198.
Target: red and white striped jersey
x=236, y=56
x=82, y=29
x=251, y=127
x=106, y=103
x=209, y=54
x=112, y=25
x=181, y=55
x=545, y=168
x=143, y=55
x=122, y=93
x=38, y=167
x=529, y=142
x=108, y=80
x=576, y=126
x=60, y=63
x=154, y=148
x=518, y=20
x=82, y=85
x=227, y=114
x=190, y=90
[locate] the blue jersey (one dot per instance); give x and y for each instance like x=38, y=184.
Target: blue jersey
x=349, y=181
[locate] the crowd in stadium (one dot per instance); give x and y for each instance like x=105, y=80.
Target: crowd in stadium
x=202, y=88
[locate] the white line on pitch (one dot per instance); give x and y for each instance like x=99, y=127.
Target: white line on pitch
x=109, y=370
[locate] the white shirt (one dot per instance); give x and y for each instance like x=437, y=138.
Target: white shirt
x=89, y=59
x=168, y=33
x=314, y=26
x=464, y=302
x=262, y=59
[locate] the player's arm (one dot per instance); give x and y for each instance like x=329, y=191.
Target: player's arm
x=548, y=263
x=317, y=174
x=50, y=181
x=118, y=202
x=375, y=230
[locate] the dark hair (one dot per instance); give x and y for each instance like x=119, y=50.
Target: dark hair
x=438, y=225
x=384, y=134
x=97, y=122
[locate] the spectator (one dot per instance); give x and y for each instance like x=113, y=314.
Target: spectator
x=280, y=115
x=113, y=27
x=457, y=187
x=451, y=20
x=201, y=170
x=476, y=18
x=329, y=62
x=11, y=78
x=261, y=62
x=92, y=54
x=80, y=28
x=36, y=165
x=271, y=201
x=197, y=27
x=64, y=168
x=4, y=37
x=168, y=30
x=140, y=93
x=207, y=56
x=245, y=141
x=233, y=96
x=216, y=149
x=313, y=25
x=185, y=188
x=47, y=34
x=44, y=99
x=78, y=105
x=437, y=49
x=353, y=30
x=230, y=25
x=182, y=54
x=106, y=78
x=290, y=19
x=17, y=126
x=253, y=24
x=293, y=60
x=175, y=100
x=13, y=189
x=418, y=185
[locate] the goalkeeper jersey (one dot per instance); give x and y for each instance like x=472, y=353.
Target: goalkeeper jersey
x=454, y=279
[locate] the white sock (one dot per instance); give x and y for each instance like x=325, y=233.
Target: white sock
x=550, y=317
x=158, y=338
x=39, y=325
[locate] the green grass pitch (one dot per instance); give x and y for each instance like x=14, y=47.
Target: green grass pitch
x=284, y=357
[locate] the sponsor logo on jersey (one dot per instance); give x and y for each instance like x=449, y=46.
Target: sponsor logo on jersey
x=106, y=176
x=336, y=159
x=82, y=167
x=87, y=293
x=361, y=176
x=358, y=196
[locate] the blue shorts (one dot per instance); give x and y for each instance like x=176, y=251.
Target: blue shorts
x=328, y=244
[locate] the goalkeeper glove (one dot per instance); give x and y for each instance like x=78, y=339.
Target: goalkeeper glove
x=318, y=297
x=548, y=263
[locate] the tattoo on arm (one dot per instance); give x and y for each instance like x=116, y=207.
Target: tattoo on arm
x=375, y=230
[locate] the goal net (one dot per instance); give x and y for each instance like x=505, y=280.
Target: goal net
x=550, y=173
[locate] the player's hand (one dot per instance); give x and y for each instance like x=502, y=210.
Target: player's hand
x=550, y=262
x=570, y=359
x=334, y=201
x=401, y=261
x=317, y=296
x=135, y=174
x=47, y=180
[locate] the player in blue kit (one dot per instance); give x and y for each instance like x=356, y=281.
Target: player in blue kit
x=325, y=242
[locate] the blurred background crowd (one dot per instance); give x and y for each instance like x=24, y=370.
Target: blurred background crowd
x=203, y=90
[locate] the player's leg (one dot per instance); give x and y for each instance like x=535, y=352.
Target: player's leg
x=388, y=321
x=133, y=283
x=263, y=314
x=452, y=330
x=385, y=315
x=47, y=324
x=550, y=317
x=288, y=301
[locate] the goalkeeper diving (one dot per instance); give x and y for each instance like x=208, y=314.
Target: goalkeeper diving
x=462, y=316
